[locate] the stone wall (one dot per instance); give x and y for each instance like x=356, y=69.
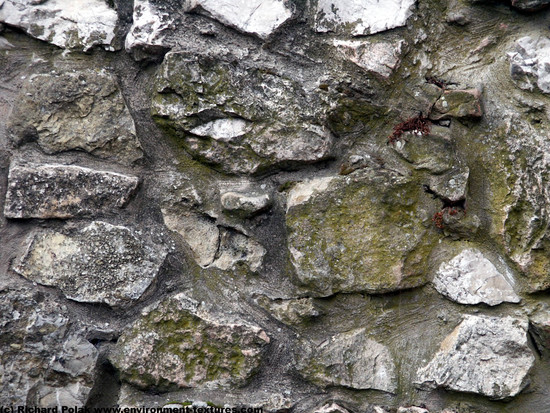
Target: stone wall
x=334, y=206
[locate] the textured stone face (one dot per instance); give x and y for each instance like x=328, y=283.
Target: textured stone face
x=530, y=63
x=63, y=191
x=457, y=104
x=245, y=204
x=362, y=232
x=43, y=361
x=470, y=278
x=351, y=360
x=150, y=23
x=258, y=17
x=477, y=357
x=87, y=113
x=239, y=119
x=179, y=344
x=63, y=22
x=361, y=17
x=102, y=263
x=381, y=58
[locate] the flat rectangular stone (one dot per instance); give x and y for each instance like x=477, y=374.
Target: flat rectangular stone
x=64, y=191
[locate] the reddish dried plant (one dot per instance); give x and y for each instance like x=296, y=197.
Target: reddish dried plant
x=419, y=124
x=437, y=219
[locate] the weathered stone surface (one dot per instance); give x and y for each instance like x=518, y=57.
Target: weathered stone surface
x=432, y=153
x=236, y=118
x=452, y=185
x=540, y=328
x=88, y=113
x=331, y=408
x=530, y=63
x=362, y=232
x=102, y=263
x=349, y=359
x=381, y=58
x=177, y=343
x=245, y=205
x=470, y=278
x=476, y=358
x=64, y=191
x=258, y=17
x=530, y=5
x=358, y=17
x=149, y=26
x=44, y=361
x=211, y=245
x=71, y=24
x=290, y=312
x=458, y=104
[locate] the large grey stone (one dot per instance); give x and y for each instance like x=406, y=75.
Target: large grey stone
x=44, y=361
x=103, y=263
x=258, y=17
x=245, y=204
x=360, y=17
x=178, y=343
x=71, y=24
x=530, y=63
x=470, y=278
x=359, y=232
x=76, y=110
x=239, y=119
x=64, y=191
x=484, y=355
x=349, y=359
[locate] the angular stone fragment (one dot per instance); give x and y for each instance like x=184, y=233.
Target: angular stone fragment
x=64, y=191
x=245, y=204
x=258, y=17
x=43, y=361
x=530, y=63
x=239, y=119
x=470, y=278
x=540, y=327
x=149, y=26
x=88, y=113
x=483, y=355
x=70, y=24
x=290, y=312
x=102, y=263
x=361, y=232
x=381, y=58
x=452, y=185
x=457, y=104
x=331, y=408
x=360, y=17
x=351, y=360
x=426, y=152
x=177, y=343
x=213, y=246
x=530, y=5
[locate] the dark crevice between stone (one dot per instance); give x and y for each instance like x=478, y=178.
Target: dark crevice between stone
x=106, y=387
x=533, y=342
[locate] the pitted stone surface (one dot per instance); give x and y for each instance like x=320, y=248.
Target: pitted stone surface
x=381, y=58
x=71, y=24
x=477, y=358
x=178, y=343
x=64, y=191
x=103, y=263
x=352, y=360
